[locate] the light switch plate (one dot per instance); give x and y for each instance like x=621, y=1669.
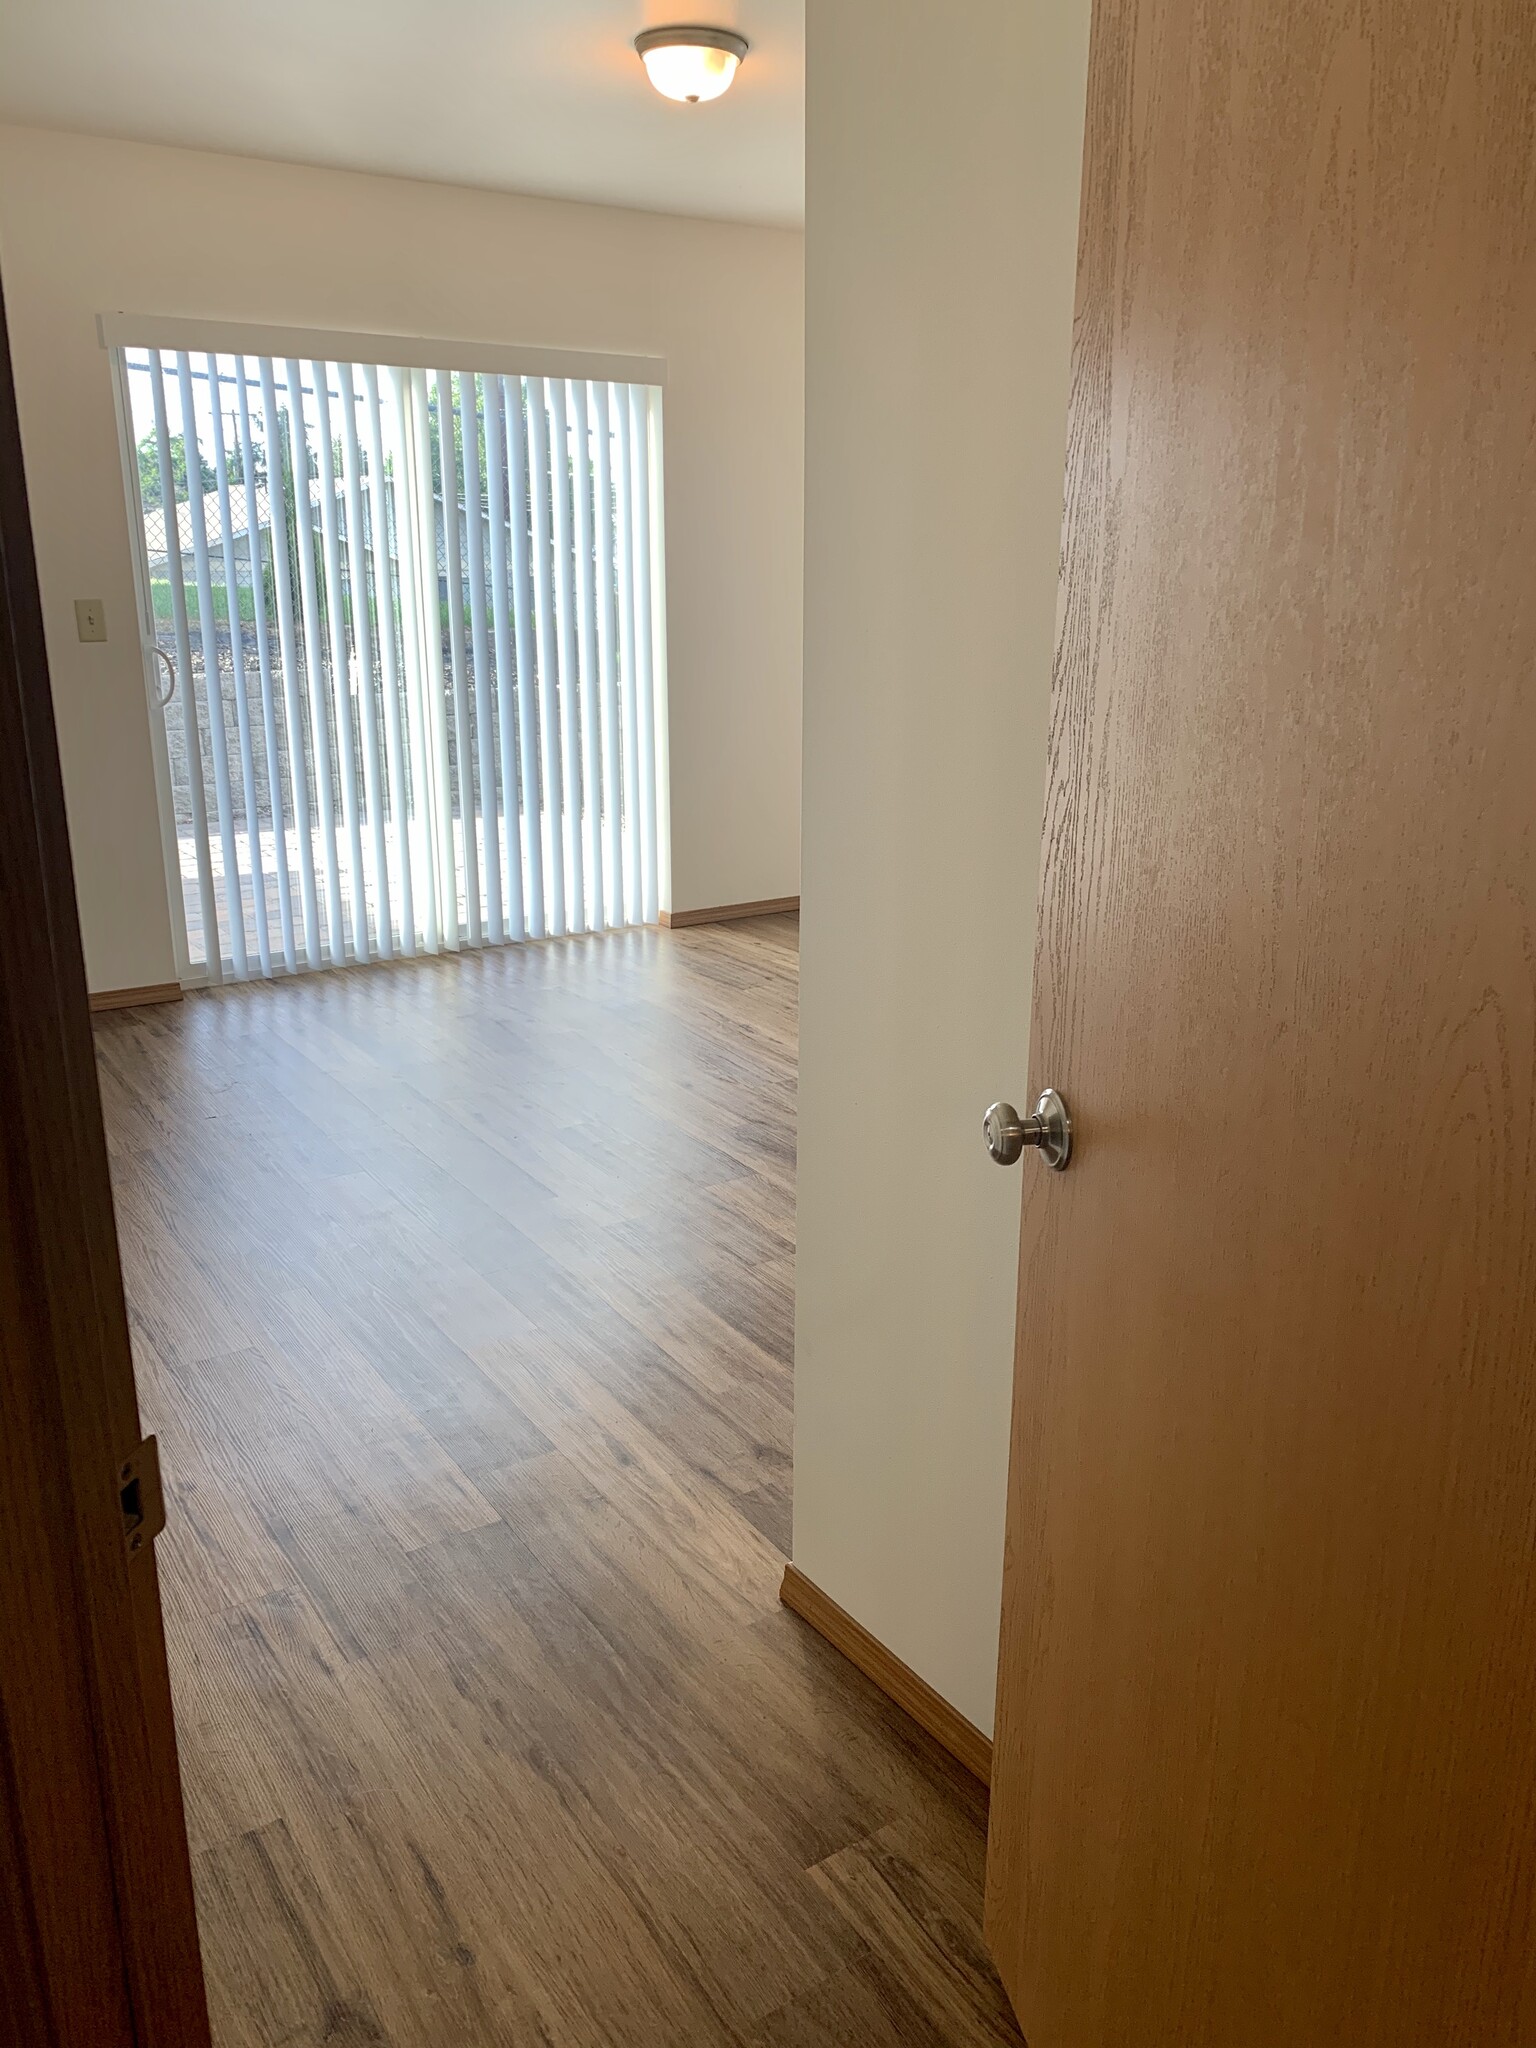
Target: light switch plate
x=90, y=618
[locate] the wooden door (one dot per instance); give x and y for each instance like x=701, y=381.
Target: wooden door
x=1265, y=1762
x=98, y=1943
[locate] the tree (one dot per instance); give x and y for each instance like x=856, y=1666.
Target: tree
x=234, y=459
x=149, y=470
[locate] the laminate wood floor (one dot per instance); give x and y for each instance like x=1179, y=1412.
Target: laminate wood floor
x=462, y=1304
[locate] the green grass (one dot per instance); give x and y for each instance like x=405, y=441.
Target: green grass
x=160, y=595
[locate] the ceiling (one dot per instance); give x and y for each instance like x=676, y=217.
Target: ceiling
x=543, y=96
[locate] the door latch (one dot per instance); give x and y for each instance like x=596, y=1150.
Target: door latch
x=139, y=1494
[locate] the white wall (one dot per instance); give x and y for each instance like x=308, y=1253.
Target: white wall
x=942, y=174
x=88, y=226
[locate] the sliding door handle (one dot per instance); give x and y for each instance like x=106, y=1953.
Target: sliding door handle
x=170, y=675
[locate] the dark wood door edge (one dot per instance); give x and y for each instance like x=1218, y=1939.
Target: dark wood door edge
x=74, y=1345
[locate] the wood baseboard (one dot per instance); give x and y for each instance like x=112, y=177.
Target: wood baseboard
x=136, y=998
x=946, y=1724
x=728, y=913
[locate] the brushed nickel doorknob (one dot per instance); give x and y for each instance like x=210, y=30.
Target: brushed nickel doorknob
x=1048, y=1129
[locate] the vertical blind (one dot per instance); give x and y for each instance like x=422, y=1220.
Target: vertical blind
x=410, y=619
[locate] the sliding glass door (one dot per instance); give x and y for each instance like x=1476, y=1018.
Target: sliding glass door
x=406, y=640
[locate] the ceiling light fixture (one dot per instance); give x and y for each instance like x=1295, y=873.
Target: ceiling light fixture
x=690, y=64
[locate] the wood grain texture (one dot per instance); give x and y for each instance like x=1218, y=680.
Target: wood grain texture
x=730, y=913
x=135, y=998
x=58, y=1887
x=462, y=1302
x=946, y=1724
x=1266, y=1746
x=97, y=1937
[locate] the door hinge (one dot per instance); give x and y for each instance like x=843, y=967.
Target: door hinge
x=138, y=1491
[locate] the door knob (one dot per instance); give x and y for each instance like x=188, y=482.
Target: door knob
x=1048, y=1129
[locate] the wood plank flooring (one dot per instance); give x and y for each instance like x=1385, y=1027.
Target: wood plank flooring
x=462, y=1303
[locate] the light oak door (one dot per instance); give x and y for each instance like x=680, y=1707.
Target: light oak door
x=1265, y=1767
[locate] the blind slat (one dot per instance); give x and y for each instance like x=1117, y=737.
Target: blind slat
x=255, y=536
x=387, y=592
x=314, y=662
x=397, y=428
x=341, y=664
x=628, y=689
x=176, y=566
x=578, y=402
x=565, y=623
x=436, y=794
x=362, y=637
x=240, y=679
x=485, y=682
x=213, y=692
x=527, y=661
x=613, y=854
x=501, y=630
x=453, y=598
x=544, y=636
x=645, y=710
x=287, y=640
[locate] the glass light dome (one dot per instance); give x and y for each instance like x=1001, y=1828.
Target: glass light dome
x=691, y=64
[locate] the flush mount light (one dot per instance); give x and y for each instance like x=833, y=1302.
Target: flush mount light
x=691, y=64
